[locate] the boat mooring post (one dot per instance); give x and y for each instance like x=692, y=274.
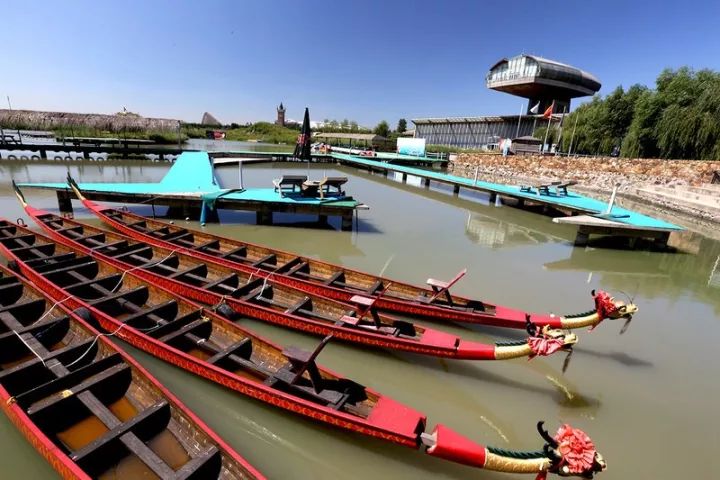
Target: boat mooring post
x=477, y=168
x=64, y=201
x=264, y=217
x=346, y=222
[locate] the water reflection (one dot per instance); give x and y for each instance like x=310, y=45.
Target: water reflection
x=671, y=275
x=616, y=388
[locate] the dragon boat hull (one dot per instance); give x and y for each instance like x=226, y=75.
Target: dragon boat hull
x=466, y=310
x=389, y=420
x=330, y=316
x=80, y=281
x=38, y=400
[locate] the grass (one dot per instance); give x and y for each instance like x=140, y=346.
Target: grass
x=159, y=136
x=261, y=131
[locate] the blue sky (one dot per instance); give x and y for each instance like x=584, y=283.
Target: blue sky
x=367, y=61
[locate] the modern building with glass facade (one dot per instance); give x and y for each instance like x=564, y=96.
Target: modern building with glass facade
x=541, y=81
x=475, y=132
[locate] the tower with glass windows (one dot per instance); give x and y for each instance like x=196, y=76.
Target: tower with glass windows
x=541, y=81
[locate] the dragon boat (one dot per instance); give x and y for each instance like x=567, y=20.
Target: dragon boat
x=196, y=339
x=236, y=293
x=88, y=407
x=341, y=283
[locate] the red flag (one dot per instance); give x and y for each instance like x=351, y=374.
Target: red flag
x=549, y=111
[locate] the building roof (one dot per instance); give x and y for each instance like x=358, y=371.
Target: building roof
x=209, y=119
x=545, y=73
x=370, y=137
x=485, y=119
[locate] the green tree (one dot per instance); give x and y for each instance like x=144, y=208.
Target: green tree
x=353, y=126
x=401, y=126
x=382, y=129
x=679, y=118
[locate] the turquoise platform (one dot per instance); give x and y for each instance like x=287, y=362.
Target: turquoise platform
x=190, y=186
x=384, y=156
x=573, y=201
x=192, y=176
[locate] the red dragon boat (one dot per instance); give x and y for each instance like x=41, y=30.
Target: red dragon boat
x=238, y=293
x=158, y=322
x=88, y=407
x=341, y=283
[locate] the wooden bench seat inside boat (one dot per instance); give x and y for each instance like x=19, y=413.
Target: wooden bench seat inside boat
x=79, y=396
x=111, y=246
x=32, y=308
x=209, y=245
x=135, y=251
x=38, y=258
x=45, y=249
x=18, y=240
x=239, y=253
x=222, y=284
x=176, y=236
x=138, y=296
x=267, y=260
x=294, y=265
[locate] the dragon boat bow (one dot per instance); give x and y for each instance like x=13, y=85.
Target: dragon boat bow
x=341, y=283
x=199, y=341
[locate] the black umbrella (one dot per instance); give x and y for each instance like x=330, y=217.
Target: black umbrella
x=302, y=148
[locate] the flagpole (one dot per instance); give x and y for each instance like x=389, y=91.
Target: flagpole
x=572, y=137
x=517, y=133
x=547, y=130
x=562, y=119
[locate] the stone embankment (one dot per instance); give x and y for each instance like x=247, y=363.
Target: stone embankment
x=680, y=185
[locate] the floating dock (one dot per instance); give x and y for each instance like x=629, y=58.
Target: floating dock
x=190, y=189
x=394, y=158
x=585, y=212
x=58, y=151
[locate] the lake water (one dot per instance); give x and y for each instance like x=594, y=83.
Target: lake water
x=649, y=398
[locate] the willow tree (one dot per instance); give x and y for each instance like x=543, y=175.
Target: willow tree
x=680, y=118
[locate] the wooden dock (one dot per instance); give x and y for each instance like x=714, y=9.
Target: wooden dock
x=590, y=213
x=190, y=189
x=58, y=151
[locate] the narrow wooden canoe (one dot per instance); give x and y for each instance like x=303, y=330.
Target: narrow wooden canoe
x=263, y=299
x=335, y=281
x=88, y=407
x=158, y=322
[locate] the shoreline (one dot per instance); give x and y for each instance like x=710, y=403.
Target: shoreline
x=687, y=218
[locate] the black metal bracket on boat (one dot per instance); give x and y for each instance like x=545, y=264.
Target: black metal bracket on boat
x=531, y=328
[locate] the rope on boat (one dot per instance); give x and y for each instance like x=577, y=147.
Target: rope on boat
x=523, y=455
x=97, y=337
x=511, y=343
x=30, y=348
x=219, y=304
x=47, y=312
x=576, y=315
x=252, y=274
x=144, y=265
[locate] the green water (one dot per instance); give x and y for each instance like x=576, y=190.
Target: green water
x=647, y=398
